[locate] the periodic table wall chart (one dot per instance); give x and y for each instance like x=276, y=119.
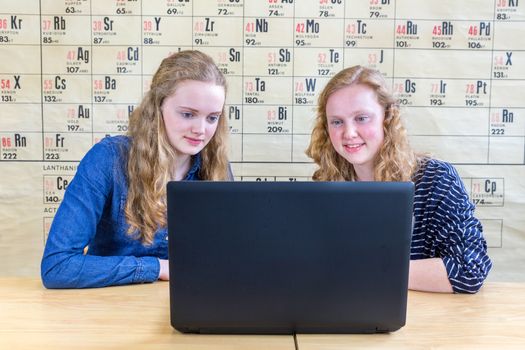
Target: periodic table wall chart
x=71, y=72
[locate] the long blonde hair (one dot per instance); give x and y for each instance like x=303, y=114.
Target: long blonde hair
x=151, y=156
x=396, y=161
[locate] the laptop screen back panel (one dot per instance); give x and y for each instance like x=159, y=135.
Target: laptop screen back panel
x=289, y=257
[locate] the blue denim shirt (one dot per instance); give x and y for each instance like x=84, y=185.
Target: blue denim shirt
x=92, y=214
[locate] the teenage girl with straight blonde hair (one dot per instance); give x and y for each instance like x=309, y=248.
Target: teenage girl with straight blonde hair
x=110, y=229
x=358, y=136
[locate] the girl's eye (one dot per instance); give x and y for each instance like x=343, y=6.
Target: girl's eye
x=213, y=118
x=186, y=114
x=336, y=122
x=362, y=118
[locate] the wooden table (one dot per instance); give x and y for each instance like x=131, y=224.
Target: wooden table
x=127, y=317
x=494, y=318
x=137, y=317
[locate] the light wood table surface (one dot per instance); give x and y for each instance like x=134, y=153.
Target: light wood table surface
x=137, y=317
x=494, y=318
x=127, y=317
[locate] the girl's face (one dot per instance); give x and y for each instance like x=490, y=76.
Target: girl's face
x=191, y=115
x=355, y=125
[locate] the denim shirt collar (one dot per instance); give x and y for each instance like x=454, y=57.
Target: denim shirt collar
x=193, y=173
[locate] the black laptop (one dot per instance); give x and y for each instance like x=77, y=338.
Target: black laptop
x=289, y=257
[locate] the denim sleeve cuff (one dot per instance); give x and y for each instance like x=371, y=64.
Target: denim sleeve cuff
x=148, y=269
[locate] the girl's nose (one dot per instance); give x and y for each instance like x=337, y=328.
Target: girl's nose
x=350, y=131
x=199, y=126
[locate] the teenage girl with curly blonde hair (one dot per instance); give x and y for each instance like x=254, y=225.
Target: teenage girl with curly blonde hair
x=359, y=136
x=110, y=228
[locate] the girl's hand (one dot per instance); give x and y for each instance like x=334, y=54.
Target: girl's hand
x=164, y=273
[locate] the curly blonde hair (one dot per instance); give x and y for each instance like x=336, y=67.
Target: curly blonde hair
x=151, y=157
x=396, y=161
